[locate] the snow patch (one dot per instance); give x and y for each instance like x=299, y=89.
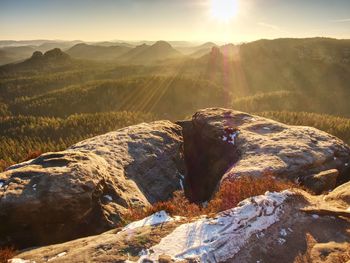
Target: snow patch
x=315, y=216
x=155, y=219
x=143, y=252
x=181, y=176
x=181, y=180
x=281, y=241
x=220, y=238
x=230, y=138
x=283, y=232
x=260, y=235
x=108, y=198
x=181, y=185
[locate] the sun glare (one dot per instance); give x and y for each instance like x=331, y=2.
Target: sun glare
x=224, y=10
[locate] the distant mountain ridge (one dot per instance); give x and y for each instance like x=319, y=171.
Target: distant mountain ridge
x=93, y=52
x=52, y=59
x=147, y=54
x=12, y=54
x=198, y=51
x=16, y=51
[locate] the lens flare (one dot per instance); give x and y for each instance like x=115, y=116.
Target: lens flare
x=224, y=10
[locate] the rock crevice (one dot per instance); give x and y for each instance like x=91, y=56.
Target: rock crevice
x=221, y=144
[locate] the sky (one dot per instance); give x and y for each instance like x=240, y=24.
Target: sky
x=187, y=20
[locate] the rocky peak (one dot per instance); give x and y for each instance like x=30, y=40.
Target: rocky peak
x=37, y=54
x=162, y=44
x=56, y=53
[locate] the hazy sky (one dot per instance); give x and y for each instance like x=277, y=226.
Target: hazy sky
x=96, y=20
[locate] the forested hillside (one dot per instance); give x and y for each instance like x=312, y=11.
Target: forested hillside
x=54, y=99
x=23, y=137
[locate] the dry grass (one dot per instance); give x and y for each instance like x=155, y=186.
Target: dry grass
x=6, y=253
x=32, y=155
x=178, y=205
x=235, y=190
x=231, y=193
x=3, y=165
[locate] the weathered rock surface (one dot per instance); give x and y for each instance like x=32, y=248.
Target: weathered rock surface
x=220, y=144
x=323, y=181
x=85, y=189
x=275, y=220
x=340, y=195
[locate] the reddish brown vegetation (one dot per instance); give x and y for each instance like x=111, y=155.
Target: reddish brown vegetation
x=3, y=165
x=235, y=190
x=6, y=253
x=230, y=194
x=178, y=205
x=32, y=155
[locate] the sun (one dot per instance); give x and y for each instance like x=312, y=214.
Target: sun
x=224, y=10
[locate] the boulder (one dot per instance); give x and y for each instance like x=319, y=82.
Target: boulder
x=321, y=182
x=220, y=144
x=341, y=194
x=330, y=252
x=276, y=220
x=85, y=189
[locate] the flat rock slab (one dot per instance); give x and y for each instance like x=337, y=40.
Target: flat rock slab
x=269, y=228
x=85, y=189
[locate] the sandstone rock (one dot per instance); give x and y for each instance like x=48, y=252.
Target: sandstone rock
x=37, y=54
x=85, y=189
x=165, y=259
x=321, y=182
x=340, y=195
x=330, y=252
x=220, y=144
x=112, y=246
x=274, y=220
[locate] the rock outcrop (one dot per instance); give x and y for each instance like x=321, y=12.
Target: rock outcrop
x=323, y=181
x=235, y=235
x=85, y=189
x=220, y=144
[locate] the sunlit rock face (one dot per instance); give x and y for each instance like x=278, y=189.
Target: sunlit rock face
x=279, y=221
x=85, y=189
x=220, y=144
